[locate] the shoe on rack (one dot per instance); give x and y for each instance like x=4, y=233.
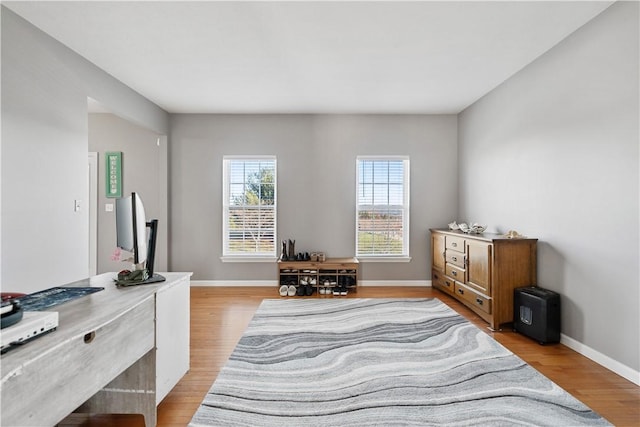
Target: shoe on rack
x=291, y=291
x=300, y=290
x=336, y=291
x=284, y=290
x=343, y=291
x=308, y=290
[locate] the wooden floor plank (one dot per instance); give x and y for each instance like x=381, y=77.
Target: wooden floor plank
x=219, y=316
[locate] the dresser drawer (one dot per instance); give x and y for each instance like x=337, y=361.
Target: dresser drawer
x=455, y=258
x=455, y=272
x=454, y=243
x=474, y=298
x=439, y=281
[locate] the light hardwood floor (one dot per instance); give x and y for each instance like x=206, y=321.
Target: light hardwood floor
x=220, y=315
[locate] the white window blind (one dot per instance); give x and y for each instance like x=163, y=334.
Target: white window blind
x=249, y=203
x=382, y=212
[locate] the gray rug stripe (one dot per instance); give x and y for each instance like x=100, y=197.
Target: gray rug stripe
x=378, y=362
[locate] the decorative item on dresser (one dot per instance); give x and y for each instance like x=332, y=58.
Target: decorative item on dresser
x=482, y=270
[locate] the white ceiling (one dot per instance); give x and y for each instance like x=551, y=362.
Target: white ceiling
x=310, y=57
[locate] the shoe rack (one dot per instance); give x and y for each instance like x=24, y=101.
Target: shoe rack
x=333, y=277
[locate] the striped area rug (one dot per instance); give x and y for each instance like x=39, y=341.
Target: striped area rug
x=378, y=362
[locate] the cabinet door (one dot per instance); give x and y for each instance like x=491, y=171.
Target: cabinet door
x=437, y=251
x=172, y=336
x=479, y=265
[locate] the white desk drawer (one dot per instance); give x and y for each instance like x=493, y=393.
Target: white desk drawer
x=94, y=357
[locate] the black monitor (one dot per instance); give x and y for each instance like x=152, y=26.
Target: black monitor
x=131, y=232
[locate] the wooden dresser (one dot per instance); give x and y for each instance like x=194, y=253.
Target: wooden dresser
x=482, y=270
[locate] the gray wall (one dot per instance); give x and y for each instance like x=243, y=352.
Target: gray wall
x=316, y=157
x=144, y=170
x=553, y=153
x=45, y=87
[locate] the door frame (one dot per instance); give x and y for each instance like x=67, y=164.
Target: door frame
x=93, y=213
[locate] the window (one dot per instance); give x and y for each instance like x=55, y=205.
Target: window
x=382, y=212
x=249, y=204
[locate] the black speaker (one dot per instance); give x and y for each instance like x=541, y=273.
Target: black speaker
x=536, y=313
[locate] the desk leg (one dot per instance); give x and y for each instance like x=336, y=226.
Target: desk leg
x=132, y=392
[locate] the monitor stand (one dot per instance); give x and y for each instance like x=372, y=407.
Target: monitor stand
x=156, y=278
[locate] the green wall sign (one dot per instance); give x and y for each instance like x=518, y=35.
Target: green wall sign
x=114, y=174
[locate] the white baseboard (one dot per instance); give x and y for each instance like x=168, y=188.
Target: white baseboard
x=601, y=359
x=274, y=283
x=233, y=283
x=395, y=283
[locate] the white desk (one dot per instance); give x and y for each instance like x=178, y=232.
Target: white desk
x=120, y=350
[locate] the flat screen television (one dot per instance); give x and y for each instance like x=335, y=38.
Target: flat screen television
x=132, y=236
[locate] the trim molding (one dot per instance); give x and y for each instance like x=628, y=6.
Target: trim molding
x=601, y=359
x=236, y=258
x=384, y=258
x=274, y=283
x=394, y=283
x=233, y=283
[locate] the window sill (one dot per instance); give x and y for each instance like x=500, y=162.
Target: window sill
x=244, y=258
x=384, y=258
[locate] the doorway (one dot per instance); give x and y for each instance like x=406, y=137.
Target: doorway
x=93, y=213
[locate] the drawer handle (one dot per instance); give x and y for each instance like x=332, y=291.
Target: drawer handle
x=454, y=258
x=454, y=273
x=461, y=291
x=479, y=301
x=447, y=283
x=89, y=337
x=454, y=244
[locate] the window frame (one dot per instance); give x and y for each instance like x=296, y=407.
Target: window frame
x=227, y=256
x=405, y=207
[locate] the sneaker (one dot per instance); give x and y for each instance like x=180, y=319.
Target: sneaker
x=291, y=291
x=336, y=291
x=284, y=290
x=343, y=291
x=300, y=291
